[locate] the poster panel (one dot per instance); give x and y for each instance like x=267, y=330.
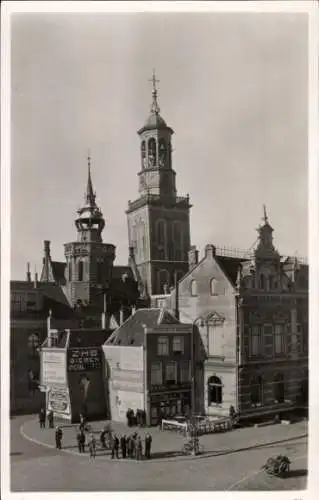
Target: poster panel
x=84, y=359
x=53, y=368
x=59, y=401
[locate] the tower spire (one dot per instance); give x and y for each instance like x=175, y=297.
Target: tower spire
x=89, y=196
x=155, y=107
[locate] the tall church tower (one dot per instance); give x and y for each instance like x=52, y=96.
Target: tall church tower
x=89, y=261
x=158, y=221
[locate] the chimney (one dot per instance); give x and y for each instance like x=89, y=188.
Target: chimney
x=192, y=257
x=47, y=248
x=49, y=328
x=210, y=251
x=35, y=280
x=28, y=272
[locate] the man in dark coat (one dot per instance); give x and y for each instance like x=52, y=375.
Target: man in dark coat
x=129, y=446
x=123, y=446
x=58, y=437
x=128, y=417
x=81, y=441
x=50, y=419
x=139, y=449
x=148, y=442
x=115, y=446
x=42, y=418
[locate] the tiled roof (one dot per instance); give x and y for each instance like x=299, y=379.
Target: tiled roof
x=230, y=266
x=131, y=332
x=87, y=338
x=58, y=269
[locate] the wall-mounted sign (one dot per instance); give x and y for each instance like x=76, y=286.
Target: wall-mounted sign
x=59, y=401
x=53, y=368
x=84, y=359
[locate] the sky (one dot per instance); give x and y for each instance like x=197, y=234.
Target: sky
x=233, y=86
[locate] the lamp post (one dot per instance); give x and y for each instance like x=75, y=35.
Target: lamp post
x=202, y=322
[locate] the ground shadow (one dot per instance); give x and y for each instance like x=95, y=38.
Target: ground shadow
x=297, y=473
x=15, y=453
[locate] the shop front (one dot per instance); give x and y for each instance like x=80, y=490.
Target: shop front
x=169, y=404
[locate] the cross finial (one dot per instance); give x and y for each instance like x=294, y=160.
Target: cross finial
x=265, y=218
x=155, y=107
x=89, y=158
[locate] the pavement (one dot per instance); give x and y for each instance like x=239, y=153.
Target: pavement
x=230, y=461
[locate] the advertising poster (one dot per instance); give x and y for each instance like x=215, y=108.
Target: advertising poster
x=53, y=368
x=59, y=401
x=84, y=360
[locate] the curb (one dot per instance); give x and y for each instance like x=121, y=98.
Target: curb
x=178, y=458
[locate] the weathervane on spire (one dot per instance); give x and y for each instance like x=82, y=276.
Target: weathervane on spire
x=265, y=218
x=155, y=107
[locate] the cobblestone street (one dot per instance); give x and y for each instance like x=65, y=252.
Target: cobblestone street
x=231, y=461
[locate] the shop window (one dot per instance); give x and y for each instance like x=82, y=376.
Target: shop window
x=256, y=391
x=33, y=344
x=215, y=391
x=185, y=372
x=178, y=344
x=193, y=288
x=162, y=346
x=156, y=374
x=171, y=373
x=279, y=388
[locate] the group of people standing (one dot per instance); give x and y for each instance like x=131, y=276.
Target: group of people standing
x=43, y=417
x=131, y=446
x=138, y=418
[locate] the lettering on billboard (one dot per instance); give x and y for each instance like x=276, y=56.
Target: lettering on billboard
x=59, y=401
x=53, y=368
x=84, y=360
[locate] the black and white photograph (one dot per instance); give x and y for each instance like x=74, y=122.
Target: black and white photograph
x=155, y=248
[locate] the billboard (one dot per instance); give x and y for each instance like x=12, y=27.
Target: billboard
x=53, y=368
x=59, y=401
x=84, y=359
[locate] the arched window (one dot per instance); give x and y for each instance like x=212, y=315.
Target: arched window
x=151, y=152
x=80, y=270
x=143, y=154
x=162, y=153
x=279, y=388
x=215, y=391
x=161, y=237
x=262, y=282
x=33, y=344
x=213, y=286
x=178, y=239
x=163, y=281
x=193, y=288
x=256, y=391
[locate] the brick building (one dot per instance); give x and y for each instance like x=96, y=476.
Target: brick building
x=148, y=366
x=254, y=328
x=31, y=302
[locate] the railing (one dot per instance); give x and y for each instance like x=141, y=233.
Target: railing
x=227, y=251
x=202, y=427
x=169, y=201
